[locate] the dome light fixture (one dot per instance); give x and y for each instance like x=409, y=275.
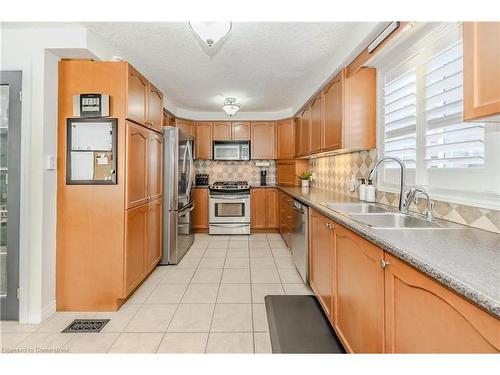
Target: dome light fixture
x=230, y=106
x=211, y=32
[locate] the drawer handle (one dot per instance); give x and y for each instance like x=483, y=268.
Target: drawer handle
x=384, y=263
x=329, y=225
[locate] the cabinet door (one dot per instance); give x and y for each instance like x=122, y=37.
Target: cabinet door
x=285, y=139
x=221, y=131
x=137, y=89
x=155, y=233
x=359, y=306
x=305, y=123
x=155, y=165
x=424, y=317
x=136, y=185
x=285, y=173
x=240, y=130
x=321, y=260
x=200, y=212
x=136, y=233
x=316, y=125
x=333, y=102
x=481, y=70
x=297, y=124
x=258, y=207
x=272, y=208
x=263, y=140
x=203, y=140
x=186, y=127
x=155, y=108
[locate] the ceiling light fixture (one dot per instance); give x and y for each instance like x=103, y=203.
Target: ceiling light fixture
x=211, y=32
x=230, y=106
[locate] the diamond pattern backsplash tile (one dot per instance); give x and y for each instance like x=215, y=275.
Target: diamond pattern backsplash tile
x=236, y=171
x=334, y=173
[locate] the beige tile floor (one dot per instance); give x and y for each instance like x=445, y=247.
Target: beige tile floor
x=211, y=302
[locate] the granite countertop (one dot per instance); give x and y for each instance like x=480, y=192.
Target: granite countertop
x=265, y=186
x=465, y=259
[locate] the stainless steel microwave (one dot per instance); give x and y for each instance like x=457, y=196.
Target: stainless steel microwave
x=231, y=150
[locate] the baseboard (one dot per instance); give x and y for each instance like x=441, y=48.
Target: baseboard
x=40, y=316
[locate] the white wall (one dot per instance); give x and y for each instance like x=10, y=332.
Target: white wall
x=36, y=50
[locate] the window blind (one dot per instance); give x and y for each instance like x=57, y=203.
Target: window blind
x=400, y=118
x=450, y=143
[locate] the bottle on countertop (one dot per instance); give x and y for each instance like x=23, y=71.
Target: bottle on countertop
x=370, y=192
x=362, y=189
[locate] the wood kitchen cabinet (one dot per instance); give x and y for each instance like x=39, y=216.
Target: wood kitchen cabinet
x=185, y=126
x=302, y=135
x=137, y=96
x=155, y=108
x=422, y=316
x=322, y=260
x=136, y=186
x=155, y=165
x=333, y=97
x=240, y=130
x=221, y=131
x=155, y=233
x=200, y=212
x=288, y=171
x=286, y=217
x=316, y=126
x=359, y=292
x=481, y=71
x=203, y=140
x=265, y=208
x=285, y=135
x=263, y=138
x=136, y=242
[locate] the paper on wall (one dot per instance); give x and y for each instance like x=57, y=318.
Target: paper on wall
x=82, y=166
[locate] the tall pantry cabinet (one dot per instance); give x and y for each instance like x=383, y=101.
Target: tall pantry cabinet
x=109, y=237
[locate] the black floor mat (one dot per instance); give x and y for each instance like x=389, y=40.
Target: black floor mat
x=297, y=324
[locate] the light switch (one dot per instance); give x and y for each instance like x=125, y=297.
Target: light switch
x=51, y=163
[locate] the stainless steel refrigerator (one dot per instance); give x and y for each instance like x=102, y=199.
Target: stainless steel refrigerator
x=178, y=180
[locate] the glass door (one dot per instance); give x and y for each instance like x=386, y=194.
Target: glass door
x=10, y=156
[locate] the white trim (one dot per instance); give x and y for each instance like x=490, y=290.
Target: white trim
x=40, y=316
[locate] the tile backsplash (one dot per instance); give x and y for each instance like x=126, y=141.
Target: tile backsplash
x=334, y=172
x=236, y=170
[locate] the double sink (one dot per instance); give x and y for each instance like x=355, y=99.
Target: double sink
x=379, y=217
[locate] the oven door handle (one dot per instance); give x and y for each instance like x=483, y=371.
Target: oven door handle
x=218, y=197
x=226, y=225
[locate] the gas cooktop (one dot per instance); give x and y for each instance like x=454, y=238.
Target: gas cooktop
x=230, y=185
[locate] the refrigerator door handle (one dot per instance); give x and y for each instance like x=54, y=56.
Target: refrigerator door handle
x=191, y=165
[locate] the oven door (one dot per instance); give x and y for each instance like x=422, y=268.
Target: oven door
x=229, y=208
x=227, y=152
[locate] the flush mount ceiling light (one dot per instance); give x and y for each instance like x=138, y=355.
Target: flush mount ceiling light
x=230, y=106
x=211, y=32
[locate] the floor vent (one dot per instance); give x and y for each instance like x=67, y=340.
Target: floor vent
x=86, y=325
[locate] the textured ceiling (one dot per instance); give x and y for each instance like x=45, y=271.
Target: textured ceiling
x=268, y=67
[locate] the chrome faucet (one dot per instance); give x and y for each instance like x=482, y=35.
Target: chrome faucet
x=416, y=193
x=402, y=207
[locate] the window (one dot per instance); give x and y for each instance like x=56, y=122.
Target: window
x=420, y=121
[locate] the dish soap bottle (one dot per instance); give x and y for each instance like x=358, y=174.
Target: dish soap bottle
x=370, y=192
x=362, y=190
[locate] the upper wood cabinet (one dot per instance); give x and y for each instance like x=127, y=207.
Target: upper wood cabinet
x=203, y=140
x=137, y=96
x=263, y=138
x=240, y=130
x=200, y=212
x=285, y=134
x=136, y=185
x=333, y=97
x=321, y=260
x=481, y=71
x=185, y=126
x=315, y=139
x=155, y=165
x=221, y=131
x=136, y=242
x=155, y=108
x=303, y=133
x=359, y=292
x=155, y=233
x=288, y=171
x=422, y=316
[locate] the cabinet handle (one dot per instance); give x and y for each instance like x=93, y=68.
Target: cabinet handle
x=329, y=225
x=384, y=263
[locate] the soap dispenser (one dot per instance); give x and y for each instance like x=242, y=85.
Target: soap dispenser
x=370, y=191
x=362, y=189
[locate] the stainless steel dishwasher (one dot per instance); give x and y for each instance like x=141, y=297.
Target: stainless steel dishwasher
x=300, y=239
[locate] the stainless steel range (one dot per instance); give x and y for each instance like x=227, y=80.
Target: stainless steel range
x=229, y=207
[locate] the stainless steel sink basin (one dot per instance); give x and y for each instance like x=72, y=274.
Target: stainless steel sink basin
x=361, y=208
x=393, y=220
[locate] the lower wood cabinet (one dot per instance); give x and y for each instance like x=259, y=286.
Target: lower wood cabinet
x=359, y=292
x=200, y=212
x=422, y=316
x=286, y=217
x=136, y=242
x=155, y=233
x=321, y=260
x=265, y=208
